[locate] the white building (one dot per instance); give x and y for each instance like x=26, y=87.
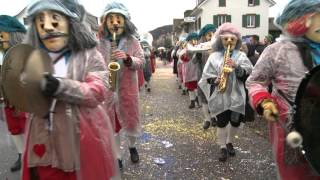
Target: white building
x=250, y=16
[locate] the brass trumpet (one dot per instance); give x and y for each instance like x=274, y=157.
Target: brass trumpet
x=113, y=66
x=225, y=71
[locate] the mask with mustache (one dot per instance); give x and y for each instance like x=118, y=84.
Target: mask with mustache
x=53, y=30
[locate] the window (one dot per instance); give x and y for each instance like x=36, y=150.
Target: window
x=251, y=20
x=250, y=2
x=221, y=18
x=222, y=3
x=253, y=2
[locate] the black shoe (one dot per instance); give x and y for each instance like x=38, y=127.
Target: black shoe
x=149, y=90
x=192, y=105
x=134, y=155
x=120, y=164
x=214, y=122
x=206, y=125
x=230, y=149
x=180, y=87
x=224, y=155
x=17, y=165
x=184, y=92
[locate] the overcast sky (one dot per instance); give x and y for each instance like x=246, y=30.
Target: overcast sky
x=146, y=14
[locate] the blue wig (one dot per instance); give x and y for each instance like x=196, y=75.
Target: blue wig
x=297, y=8
x=207, y=28
x=192, y=35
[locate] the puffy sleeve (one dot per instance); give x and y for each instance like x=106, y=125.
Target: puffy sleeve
x=261, y=76
x=137, y=55
x=91, y=89
x=210, y=73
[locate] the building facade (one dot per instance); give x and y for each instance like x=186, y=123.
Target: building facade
x=250, y=16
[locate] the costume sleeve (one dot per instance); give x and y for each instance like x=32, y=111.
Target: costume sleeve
x=210, y=73
x=244, y=69
x=260, y=78
x=137, y=57
x=93, y=89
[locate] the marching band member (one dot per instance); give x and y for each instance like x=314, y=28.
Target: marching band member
x=207, y=35
x=222, y=83
x=181, y=51
x=12, y=33
x=78, y=141
x=284, y=64
x=129, y=54
x=147, y=69
x=190, y=69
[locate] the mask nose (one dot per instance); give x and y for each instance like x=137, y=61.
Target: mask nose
x=48, y=25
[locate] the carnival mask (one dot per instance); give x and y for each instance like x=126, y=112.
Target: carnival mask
x=53, y=30
x=313, y=24
x=4, y=41
x=115, y=23
x=193, y=42
x=208, y=36
x=229, y=39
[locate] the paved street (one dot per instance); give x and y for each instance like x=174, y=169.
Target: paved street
x=174, y=134
x=174, y=145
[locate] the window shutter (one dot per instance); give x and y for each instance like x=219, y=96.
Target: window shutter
x=228, y=18
x=222, y=3
x=244, y=20
x=215, y=20
x=257, y=2
x=257, y=18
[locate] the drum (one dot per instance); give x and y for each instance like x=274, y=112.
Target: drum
x=306, y=119
x=22, y=72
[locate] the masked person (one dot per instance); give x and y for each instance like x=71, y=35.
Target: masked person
x=226, y=65
x=125, y=49
x=284, y=64
x=147, y=69
x=12, y=33
x=190, y=69
x=207, y=35
x=78, y=142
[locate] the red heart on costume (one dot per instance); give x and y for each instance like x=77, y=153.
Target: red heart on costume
x=39, y=149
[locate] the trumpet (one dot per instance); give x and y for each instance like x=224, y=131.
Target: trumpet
x=225, y=71
x=113, y=66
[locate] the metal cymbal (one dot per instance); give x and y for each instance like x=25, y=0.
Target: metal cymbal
x=22, y=73
x=13, y=66
x=38, y=63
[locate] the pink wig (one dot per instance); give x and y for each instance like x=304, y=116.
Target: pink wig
x=228, y=28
